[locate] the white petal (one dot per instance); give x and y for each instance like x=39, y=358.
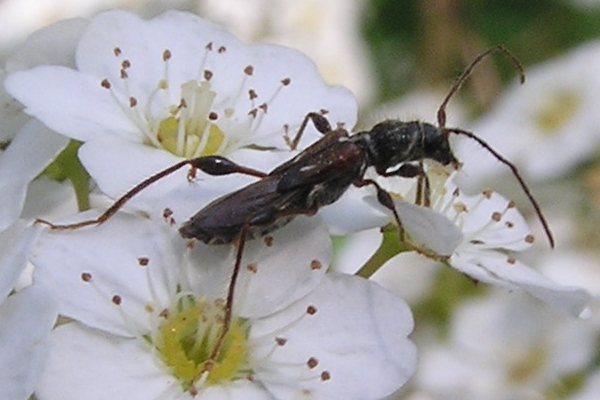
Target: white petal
x=26, y=319
x=51, y=45
x=110, y=253
x=494, y=268
x=32, y=149
x=11, y=113
x=292, y=266
x=71, y=103
x=358, y=335
x=15, y=247
x=85, y=363
x=428, y=228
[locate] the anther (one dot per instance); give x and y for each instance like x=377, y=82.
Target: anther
x=252, y=267
x=268, y=240
x=311, y=310
x=496, y=216
x=132, y=102
x=286, y=81
x=125, y=64
x=116, y=299
x=325, y=376
x=124, y=74
x=105, y=83
x=207, y=74
x=213, y=116
x=264, y=107
x=511, y=260
x=208, y=46
x=487, y=194
x=166, y=55
x=86, y=277
x=249, y=70
x=312, y=363
x=280, y=341
x=143, y=261
x=315, y=265
x=117, y=51
x=252, y=94
x=529, y=239
x=221, y=49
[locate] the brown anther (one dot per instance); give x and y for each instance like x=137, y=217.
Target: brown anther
x=117, y=51
x=116, y=299
x=286, y=128
x=456, y=193
x=529, y=239
x=86, y=276
x=207, y=74
x=487, y=194
x=132, y=102
x=511, y=260
x=182, y=103
x=496, y=216
x=149, y=308
x=167, y=212
x=166, y=55
x=311, y=310
x=208, y=46
x=511, y=204
x=221, y=49
x=252, y=267
x=509, y=224
x=325, y=376
x=105, y=83
x=124, y=74
x=252, y=94
x=264, y=107
x=286, y=81
x=316, y=265
x=213, y=116
x=164, y=313
x=125, y=64
x=268, y=240
x=253, y=112
x=190, y=244
x=193, y=391
x=280, y=341
x=249, y=70
x=312, y=363
x=324, y=111
x=143, y=261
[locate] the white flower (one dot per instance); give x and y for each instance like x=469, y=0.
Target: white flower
x=479, y=236
x=32, y=146
x=546, y=126
x=504, y=347
x=146, y=93
x=328, y=32
x=135, y=289
x=26, y=318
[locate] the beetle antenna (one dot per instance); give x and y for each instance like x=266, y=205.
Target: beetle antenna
x=441, y=114
x=515, y=171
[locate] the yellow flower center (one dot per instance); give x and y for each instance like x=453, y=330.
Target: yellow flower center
x=188, y=130
x=558, y=110
x=187, y=338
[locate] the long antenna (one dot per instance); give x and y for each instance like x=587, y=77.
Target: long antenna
x=515, y=171
x=441, y=118
x=441, y=114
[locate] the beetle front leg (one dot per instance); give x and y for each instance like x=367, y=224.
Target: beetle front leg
x=318, y=120
x=212, y=165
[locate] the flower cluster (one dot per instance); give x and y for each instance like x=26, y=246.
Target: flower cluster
x=143, y=312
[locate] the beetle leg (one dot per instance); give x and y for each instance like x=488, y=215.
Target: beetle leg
x=212, y=165
x=318, y=120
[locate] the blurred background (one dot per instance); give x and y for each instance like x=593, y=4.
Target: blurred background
x=400, y=58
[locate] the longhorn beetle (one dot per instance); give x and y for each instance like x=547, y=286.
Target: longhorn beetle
x=318, y=176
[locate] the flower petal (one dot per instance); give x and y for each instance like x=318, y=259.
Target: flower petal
x=98, y=276
x=354, y=346
x=291, y=265
x=32, y=149
x=85, y=363
x=16, y=243
x=86, y=109
x=27, y=318
x=495, y=268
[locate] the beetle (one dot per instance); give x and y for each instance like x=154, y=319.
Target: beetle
x=318, y=176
